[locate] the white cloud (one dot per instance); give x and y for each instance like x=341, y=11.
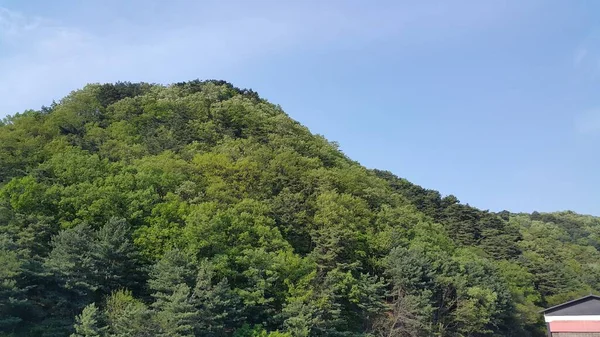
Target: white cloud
x=588, y=122
x=51, y=60
x=42, y=59
x=586, y=58
x=13, y=24
x=579, y=57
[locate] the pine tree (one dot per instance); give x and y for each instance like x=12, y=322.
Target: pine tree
x=170, y=279
x=127, y=316
x=217, y=305
x=70, y=260
x=173, y=269
x=176, y=314
x=95, y=262
x=11, y=296
x=114, y=258
x=88, y=323
x=402, y=318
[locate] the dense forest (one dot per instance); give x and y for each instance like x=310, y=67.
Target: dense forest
x=201, y=209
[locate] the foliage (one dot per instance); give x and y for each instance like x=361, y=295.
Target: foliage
x=87, y=324
x=200, y=209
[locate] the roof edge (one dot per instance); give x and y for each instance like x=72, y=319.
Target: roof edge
x=570, y=302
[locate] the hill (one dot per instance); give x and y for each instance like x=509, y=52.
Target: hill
x=201, y=209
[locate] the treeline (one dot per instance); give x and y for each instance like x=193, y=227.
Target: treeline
x=200, y=209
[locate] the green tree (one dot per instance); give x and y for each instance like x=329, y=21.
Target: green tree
x=176, y=315
x=168, y=273
x=71, y=264
x=127, y=316
x=219, y=308
x=299, y=236
x=12, y=297
x=89, y=323
x=403, y=318
x=170, y=281
x=95, y=263
x=115, y=258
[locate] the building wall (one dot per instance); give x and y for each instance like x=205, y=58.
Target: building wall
x=574, y=325
x=579, y=318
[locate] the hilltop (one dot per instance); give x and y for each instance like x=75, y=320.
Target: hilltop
x=201, y=209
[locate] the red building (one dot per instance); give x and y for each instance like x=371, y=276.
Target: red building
x=577, y=318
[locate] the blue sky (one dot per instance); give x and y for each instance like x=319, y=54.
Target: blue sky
x=496, y=102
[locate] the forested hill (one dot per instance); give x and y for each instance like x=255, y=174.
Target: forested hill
x=199, y=209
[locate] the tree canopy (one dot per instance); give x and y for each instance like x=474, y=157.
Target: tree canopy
x=201, y=209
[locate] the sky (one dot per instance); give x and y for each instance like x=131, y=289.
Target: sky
x=495, y=102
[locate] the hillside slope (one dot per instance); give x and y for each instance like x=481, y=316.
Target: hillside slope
x=199, y=209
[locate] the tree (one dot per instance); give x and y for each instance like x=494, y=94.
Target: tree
x=402, y=319
x=71, y=265
x=127, y=316
x=176, y=315
x=88, y=323
x=168, y=273
x=95, y=263
x=170, y=279
x=218, y=307
x=115, y=258
x=250, y=224
x=11, y=295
